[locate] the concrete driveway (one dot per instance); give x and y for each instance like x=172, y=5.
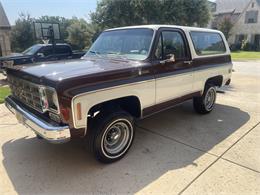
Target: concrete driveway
x=176, y=151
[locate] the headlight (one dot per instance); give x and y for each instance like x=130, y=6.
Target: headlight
x=49, y=99
x=55, y=100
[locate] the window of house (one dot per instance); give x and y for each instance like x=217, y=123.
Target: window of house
x=171, y=42
x=208, y=43
x=240, y=38
x=253, y=5
x=251, y=17
x=257, y=41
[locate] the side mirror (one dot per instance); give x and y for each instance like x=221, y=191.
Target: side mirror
x=41, y=55
x=169, y=59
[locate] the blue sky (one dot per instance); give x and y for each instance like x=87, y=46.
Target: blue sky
x=36, y=8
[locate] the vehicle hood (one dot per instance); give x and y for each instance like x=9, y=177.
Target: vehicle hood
x=14, y=56
x=58, y=71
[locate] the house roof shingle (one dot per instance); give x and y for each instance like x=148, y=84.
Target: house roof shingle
x=3, y=18
x=227, y=6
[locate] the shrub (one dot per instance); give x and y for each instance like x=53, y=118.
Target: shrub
x=235, y=47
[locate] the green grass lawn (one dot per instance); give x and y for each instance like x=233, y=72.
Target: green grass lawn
x=245, y=55
x=4, y=92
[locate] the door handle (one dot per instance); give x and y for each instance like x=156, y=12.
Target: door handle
x=187, y=62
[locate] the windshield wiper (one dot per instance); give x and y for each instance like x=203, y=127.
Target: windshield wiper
x=117, y=54
x=95, y=52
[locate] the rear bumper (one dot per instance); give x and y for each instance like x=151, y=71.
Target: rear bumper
x=51, y=132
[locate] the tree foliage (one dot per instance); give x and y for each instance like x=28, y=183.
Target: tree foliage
x=22, y=33
x=79, y=33
x=76, y=32
x=225, y=26
x=114, y=13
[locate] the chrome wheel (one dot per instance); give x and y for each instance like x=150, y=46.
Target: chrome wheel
x=117, y=138
x=210, y=98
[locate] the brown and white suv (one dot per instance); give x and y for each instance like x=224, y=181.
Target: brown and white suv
x=128, y=73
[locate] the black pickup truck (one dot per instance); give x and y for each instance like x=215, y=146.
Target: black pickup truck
x=40, y=53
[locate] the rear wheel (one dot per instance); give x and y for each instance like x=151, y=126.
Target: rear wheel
x=206, y=102
x=112, y=136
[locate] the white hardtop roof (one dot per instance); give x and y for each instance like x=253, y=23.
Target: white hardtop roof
x=157, y=26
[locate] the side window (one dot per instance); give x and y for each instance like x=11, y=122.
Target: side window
x=171, y=43
x=62, y=50
x=46, y=51
x=208, y=43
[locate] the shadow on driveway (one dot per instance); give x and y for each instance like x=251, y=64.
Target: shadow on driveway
x=35, y=166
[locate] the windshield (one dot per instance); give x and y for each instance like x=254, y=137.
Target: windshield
x=128, y=43
x=32, y=50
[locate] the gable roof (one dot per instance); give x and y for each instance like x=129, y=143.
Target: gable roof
x=228, y=6
x=3, y=18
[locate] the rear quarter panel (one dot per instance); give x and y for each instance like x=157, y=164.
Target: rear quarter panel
x=209, y=66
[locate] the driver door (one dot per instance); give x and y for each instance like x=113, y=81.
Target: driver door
x=174, y=72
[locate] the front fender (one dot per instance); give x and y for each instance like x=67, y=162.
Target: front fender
x=144, y=91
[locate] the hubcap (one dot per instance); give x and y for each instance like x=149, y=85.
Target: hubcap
x=116, y=138
x=210, y=99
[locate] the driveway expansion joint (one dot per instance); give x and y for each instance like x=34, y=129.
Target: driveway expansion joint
x=220, y=157
x=230, y=161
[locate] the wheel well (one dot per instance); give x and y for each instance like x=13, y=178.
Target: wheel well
x=130, y=104
x=216, y=81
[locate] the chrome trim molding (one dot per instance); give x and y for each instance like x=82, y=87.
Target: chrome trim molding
x=11, y=78
x=50, y=132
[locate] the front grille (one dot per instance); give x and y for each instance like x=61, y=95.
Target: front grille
x=26, y=92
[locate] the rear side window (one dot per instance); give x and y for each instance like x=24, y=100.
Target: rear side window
x=63, y=50
x=208, y=43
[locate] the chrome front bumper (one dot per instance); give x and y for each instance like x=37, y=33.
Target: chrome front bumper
x=50, y=132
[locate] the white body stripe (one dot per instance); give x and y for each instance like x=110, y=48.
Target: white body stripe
x=168, y=88
x=145, y=91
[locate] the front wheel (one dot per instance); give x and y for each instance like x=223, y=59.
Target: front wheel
x=112, y=136
x=206, y=102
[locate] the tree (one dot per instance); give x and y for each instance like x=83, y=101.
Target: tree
x=225, y=26
x=80, y=33
x=114, y=13
x=22, y=33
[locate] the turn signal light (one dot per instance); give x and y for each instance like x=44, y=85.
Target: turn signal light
x=79, y=115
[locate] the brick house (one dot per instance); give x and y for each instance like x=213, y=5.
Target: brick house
x=245, y=17
x=5, y=30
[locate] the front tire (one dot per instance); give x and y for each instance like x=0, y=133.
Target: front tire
x=206, y=103
x=112, y=136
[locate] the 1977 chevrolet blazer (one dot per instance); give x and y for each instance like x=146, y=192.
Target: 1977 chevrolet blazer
x=128, y=73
